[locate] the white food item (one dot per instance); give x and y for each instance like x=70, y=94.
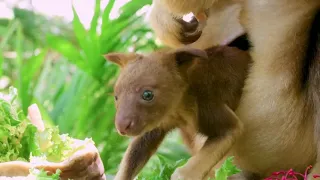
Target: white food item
x=35, y=117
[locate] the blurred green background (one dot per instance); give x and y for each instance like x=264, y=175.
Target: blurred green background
x=57, y=63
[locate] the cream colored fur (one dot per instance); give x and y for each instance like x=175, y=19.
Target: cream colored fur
x=221, y=26
x=166, y=28
x=278, y=119
x=182, y=7
x=279, y=130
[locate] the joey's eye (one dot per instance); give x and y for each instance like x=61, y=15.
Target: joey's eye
x=147, y=95
x=115, y=97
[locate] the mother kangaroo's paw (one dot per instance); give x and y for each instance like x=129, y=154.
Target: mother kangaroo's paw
x=184, y=173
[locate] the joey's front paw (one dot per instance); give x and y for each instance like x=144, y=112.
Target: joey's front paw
x=183, y=173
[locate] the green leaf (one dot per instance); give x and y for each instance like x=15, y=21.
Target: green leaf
x=28, y=77
x=94, y=21
x=227, y=169
x=134, y=5
x=29, y=142
x=80, y=32
x=28, y=21
x=68, y=50
x=43, y=175
x=1, y=63
x=17, y=139
x=89, y=42
x=106, y=14
x=11, y=29
x=54, y=146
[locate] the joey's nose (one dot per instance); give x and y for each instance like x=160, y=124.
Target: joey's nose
x=123, y=125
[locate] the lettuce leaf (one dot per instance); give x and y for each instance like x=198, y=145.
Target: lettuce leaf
x=227, y=169
x=17, y=134
x=20, y=139
x=54, y=147
x=43, y=175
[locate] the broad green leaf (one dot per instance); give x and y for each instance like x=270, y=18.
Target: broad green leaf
x=1, y=63
x=32, y=65
x=94, y=21
x=134, y=5
x=80, y=32
x=110, y=40
x=28, y=77
x=11, y=29
x=4, y=22
x=68, y=50
x=8, y=35
x=106, y=15
x=27, y=20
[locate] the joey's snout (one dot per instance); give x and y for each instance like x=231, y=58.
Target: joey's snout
x=123, y=126
x=127, y=126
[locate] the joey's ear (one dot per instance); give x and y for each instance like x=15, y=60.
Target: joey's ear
x=120, y=59
x=187, y=54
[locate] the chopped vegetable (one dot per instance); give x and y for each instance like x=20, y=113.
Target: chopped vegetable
x=21, y=138
x=42, y=175
x=17, y=134
x=227, y=169
x=35, y=117
x=54, y=147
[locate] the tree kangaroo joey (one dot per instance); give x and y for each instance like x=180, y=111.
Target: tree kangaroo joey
x=190, y=89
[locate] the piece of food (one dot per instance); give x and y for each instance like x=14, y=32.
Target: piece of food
x=29, y=150
x=35, y=117
x=17, y=134
x=85, y=163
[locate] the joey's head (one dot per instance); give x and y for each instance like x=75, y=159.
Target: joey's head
x=149, y=87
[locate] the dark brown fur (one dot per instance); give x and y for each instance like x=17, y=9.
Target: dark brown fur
x=194, y=90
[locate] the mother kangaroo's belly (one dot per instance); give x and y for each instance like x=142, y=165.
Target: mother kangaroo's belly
x=279, y=141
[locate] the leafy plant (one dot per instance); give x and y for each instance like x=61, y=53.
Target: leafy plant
x=227, y=169
x=83, y=105
x=162, y=169
x=18, y=135
x=66, y=75
x=21, y=140
x=43, y=175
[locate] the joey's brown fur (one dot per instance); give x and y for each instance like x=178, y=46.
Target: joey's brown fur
x=220, y=26
x=193, y=90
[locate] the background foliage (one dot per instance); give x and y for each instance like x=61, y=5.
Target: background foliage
x=60, y=66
